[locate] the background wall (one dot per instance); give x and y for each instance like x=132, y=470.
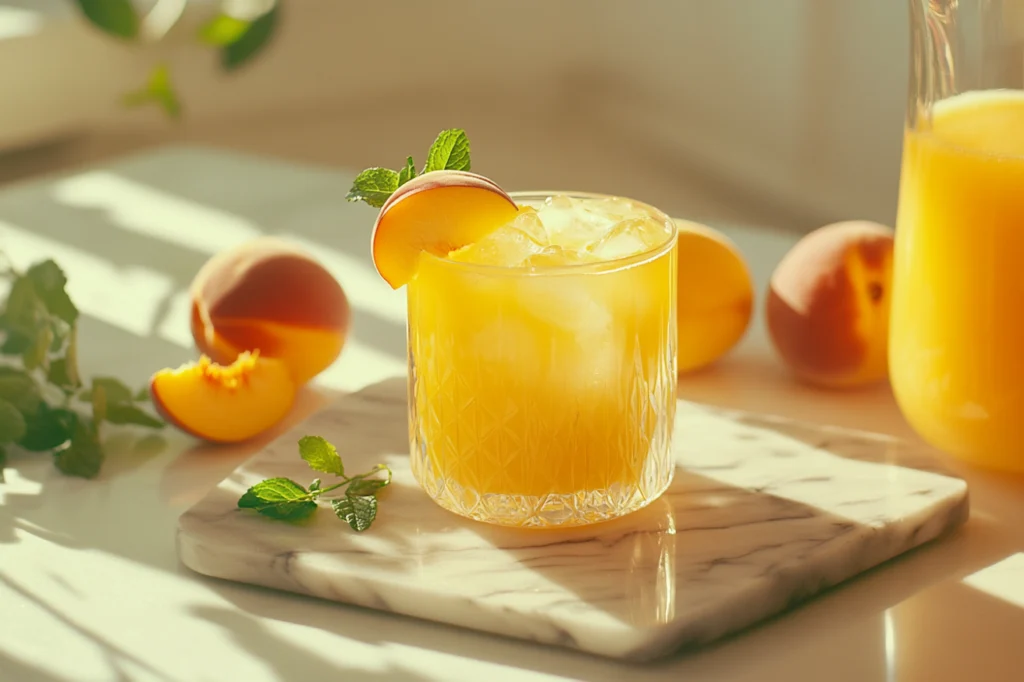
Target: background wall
x=786, y=113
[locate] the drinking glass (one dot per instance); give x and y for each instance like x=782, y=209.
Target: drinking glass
x=546, y=396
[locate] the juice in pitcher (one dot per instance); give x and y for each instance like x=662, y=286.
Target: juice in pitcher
x=957, y=332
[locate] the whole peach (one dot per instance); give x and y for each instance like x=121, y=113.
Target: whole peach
x=272, y=296
x=827, y=308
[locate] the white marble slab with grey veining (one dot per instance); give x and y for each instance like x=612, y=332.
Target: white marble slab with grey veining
x=762, y=514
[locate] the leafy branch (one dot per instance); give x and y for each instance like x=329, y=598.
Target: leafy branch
x=237, y=39
x=285, y=500
x=44, y=406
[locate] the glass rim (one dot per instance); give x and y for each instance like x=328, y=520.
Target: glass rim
x=600, y=267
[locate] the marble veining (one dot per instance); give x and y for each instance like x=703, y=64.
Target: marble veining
x=763, y=513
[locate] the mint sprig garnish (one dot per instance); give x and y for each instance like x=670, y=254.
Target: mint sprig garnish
x=450, y=151
x=43, y=407
x=285, y=500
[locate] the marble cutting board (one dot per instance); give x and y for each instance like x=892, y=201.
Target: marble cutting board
x=763, y=513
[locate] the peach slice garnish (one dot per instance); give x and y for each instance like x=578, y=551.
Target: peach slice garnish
x=225, y=404
x=437, y=212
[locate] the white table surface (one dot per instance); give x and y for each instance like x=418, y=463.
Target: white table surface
x=91, y=587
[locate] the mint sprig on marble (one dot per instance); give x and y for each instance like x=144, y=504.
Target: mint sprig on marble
x=285, y=500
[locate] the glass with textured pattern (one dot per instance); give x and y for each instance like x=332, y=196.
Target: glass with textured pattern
x=542, y=364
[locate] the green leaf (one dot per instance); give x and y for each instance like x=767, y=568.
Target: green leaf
x=123, y=413
x=37, y=354
x=58, y=374
x=314, y=487
x=71, y=359
x=223, y=30
x=15, y=344
x=99, y=403
x=116, y=17
x=407, y=173
x=369, y=486
x=158, y=90
x=24, y=310
x=82, y=456
x=12, y=423
x=114, y=390
x=320, y=455
x=358, y=511
x=450, y=151
x=49, y=428
x=374, y=186
x=49, y=281
x=251, y=42
x=142, y=395
x=278, y=498
x=21, y=390
x=3, y=462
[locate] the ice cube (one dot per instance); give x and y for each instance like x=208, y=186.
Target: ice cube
x=529, y=222
x=569, y=224
x=556, y=256
x=628, y=237
x=507, y=246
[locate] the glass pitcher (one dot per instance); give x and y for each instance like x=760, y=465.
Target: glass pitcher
x=956, y=351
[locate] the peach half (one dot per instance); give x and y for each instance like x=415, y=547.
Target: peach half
x=437, y=212
x=269, y=295
x=224, y=404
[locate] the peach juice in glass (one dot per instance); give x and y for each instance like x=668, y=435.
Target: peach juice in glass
x=542, y=349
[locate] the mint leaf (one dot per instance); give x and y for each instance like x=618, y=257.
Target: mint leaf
x=114, y=390
x=58, y=374
x=278, y=498
x=122, y=413
x=158, y=90
x=374, y=186
x=142, y=395
x=37, y=353
x=223, y=30
x=23, y=312
x=15, y=344
x=19, y=389
x=320, y=455
x=116, y=17
x=251, y=42
x=358, y=511
x=12, y=423
x=407, y=173
x=99, y=403
x=450, y=151
x=82, y=456
x=49, y=428
x=3, y=462
x=314, y=487
x=369, y=486
x=49, y=281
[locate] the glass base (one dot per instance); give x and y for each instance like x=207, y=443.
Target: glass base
x=545, y=511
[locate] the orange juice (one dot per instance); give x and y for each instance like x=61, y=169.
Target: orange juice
x=542, y=365
x=957, y=333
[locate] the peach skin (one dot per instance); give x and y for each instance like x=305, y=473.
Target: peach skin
x=271, y=296
x=224, y=404
x=716, y=295
x=437, y=212
x=828, y=305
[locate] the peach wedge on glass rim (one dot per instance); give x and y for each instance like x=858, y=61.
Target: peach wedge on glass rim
x=437, y=212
